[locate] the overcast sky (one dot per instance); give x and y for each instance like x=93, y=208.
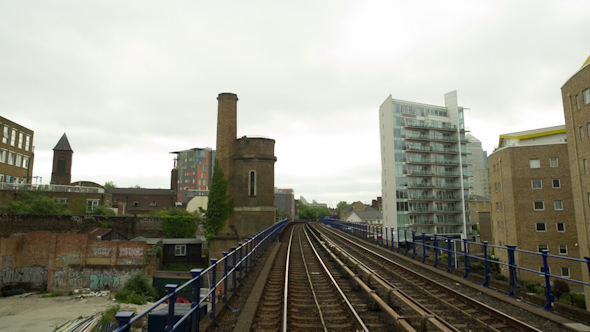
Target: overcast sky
x=131, y=81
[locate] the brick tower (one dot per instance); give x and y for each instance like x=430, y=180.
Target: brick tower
x=62, y=162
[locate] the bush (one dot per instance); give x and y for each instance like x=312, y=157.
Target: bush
x=109, y=315
x=500, y=277
x=137, y=290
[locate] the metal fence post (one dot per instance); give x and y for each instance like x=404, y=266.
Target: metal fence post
x=550, y=298
x=413, y=244
x=213, y=286
x=435, y=251
x=511, y=269
x=123, y=317
x=170, y=289
x=424, y=247
x=450, y=253
x=224, y=298
x=196, y=317
x=406, y=241
x=486, y=283
x=466, y=259
x=392, y=239
x=386, y=233
x=233, y=282
x=241, y=264
x=398, y=245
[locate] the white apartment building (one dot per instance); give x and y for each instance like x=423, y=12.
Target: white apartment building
x=424, y=162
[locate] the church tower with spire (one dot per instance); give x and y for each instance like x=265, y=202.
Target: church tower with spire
x=62, y=162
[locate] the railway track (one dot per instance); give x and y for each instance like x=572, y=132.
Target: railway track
x=302, y=294
x=427, y=297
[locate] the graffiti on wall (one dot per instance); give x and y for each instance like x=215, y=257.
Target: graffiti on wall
x=71, y=259
x=100, y=280
x=101, y=251
x=74, y=279
x=8, y=217
x=149, y=220
x=32, y=274
x=130, y=252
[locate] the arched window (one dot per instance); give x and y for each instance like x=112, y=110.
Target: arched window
x=252, y=184
x=61, y=165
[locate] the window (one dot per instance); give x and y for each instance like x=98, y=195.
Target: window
x=5, y=135
x=91, y=204
x=9, y=178
x=135, y=203
x=19, y=160
x=554, y=162
x=563, y=249
x=541, y=227
x=585, y=166
x=581, y=134
x=252, y=183
x=494, y=168
x=25, y=162
x=10, y=158
x=537, y=184
x=61, y=166
x=496, y=187
x=560, y=227
x=180, y=250
x=3, y=154
x=62, y=200
x=535, y=163
x=556, y=183
x=154, y=203
x=558, y=205
x=586, y=96
x=497, y=207
x=20, y=140
x=13, y=137
x=542, y=269
x=565, y=272
x=541, y=247
x=2, y=178
x=578, y=101
x=28, y=143
x=539, y=205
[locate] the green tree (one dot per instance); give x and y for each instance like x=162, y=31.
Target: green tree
x=79, y=205
x=178, y=223
x=220, y=205
x=103, y=211
x=312, y=213
x=34, y=202
x=341, y=205
x=282, y=214
x=137, y=187
x=110, y=184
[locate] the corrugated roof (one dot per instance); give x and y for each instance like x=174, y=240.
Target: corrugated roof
x=63, y=144
x=369, y=214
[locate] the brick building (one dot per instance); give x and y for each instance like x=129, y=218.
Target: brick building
x=62, y=162
x=248, y=163
x=532, y=202
x=16, y=153
x=576, y=107
x=134, y=201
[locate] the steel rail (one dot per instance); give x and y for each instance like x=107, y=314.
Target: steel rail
x=286, y=289
x=342, y=295
x=481, y=306
x=315, y=298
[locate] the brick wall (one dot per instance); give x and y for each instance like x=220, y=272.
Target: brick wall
x=129, y=227
x=70, y=261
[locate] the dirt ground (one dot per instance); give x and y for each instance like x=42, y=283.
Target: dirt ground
x=36, y=313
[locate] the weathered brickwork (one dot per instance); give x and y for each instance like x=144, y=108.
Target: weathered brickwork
x=69, y=261
x=514, y=217
x=577, y=117
x=129, y=227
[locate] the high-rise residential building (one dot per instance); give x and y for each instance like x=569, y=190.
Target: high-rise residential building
x=285, y=201
x=16, y=153
x=424, y=162
x=479, y=182
x=576, y=106
x=195, y=171
x=532, y=201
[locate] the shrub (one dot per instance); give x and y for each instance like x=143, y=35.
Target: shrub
x=500, y=277
x=137, y=290
x=109, y=315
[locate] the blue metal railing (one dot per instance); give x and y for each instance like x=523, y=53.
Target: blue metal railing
x=376, y=234
x=240, y=259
